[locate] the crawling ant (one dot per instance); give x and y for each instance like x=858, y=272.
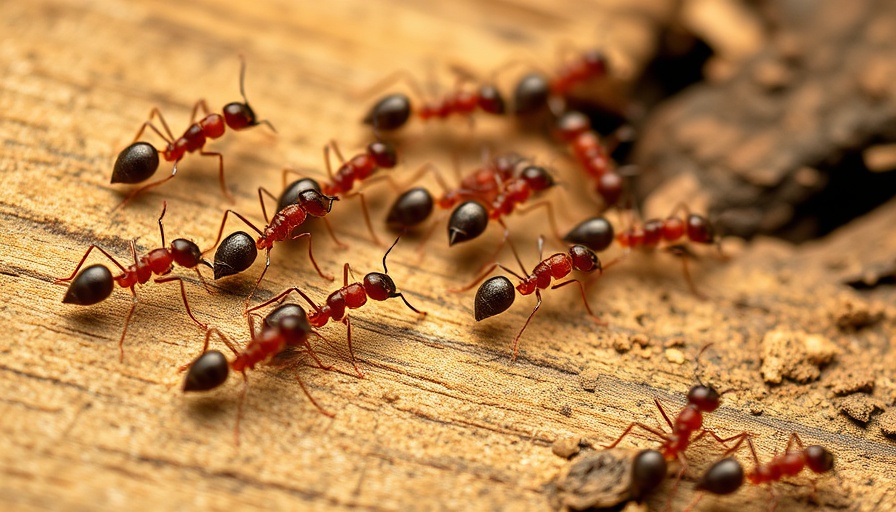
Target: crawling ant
x=694, y=228
x=574, y=129
x=393, y=111
x=95, y=283
x=237, y=255
x=283, y=329
x=727, y=475
x=496, y=294
x=140, y=160
x=377, y=286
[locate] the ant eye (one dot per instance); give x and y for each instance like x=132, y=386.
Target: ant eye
x=236, y=253
x=239, y=116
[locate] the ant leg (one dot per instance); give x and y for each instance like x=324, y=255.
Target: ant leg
x=348, y=335
x=594, y=317
x=134, y=193
x=332, y=232
x=161, y=227
x=208, y=335
x=267, y=263
x=794, y=438
x=428, y=234
x=224, y=221
x=345, y=270
x=516, y=341
x=224, y=190
x=402, y=75
x=663, y=412
x=429, y=168
x=243, y=93
x=360, y=195
x=202, y=279
x=284, y=294
x=327, y=163
x=313, y=355
x=84, y=258
x=264, y=211
x=687, y=275
x=201, y=104
x=335, y=147
x=488, y=270
x=313, y=401
x=127, y=321
x=328, y=277
x=155, y=112
x=183, y=294
x=628, y=430
x=551, y=218
x=297, y=172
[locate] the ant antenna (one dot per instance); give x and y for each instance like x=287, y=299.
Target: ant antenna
x=243, y=78
x=162, y=229
x=697, y=359
x=517, y=256
x=385, y=270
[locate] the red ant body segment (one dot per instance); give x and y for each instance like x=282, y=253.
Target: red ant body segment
x=574, y=128
x=590, y=65
x=95, y=283
x=284, y=328
x=496, y=294
x=140, y=160
x=376, y=286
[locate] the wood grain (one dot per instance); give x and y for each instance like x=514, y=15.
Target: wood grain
x=443, y=419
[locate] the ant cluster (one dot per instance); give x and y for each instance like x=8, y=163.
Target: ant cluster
x=503, y=185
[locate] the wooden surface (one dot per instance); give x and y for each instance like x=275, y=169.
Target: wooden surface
x=443, y=419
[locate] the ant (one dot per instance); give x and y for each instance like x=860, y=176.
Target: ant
x=496, y=294
x=701, y=399
x=590, y=65
x=393, y=111
x=95, y=283
x=238, y=255
x=727, y=475
x=283, y=329
x=574, y=128
x=376, y=286
x=696, y=228
x=140, y=160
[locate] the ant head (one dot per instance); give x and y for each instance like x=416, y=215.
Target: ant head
x=467, y=222
x=572, y=124
x=705, y=398
x=186, y=253
x=135, y=163
x=724, y=477
x=531, y=94
x=207, y=372
x=819, y=459
x=93, y=284
x=236, y=253
x=390, y=113
x=239, y=116
x=291, y=193
x=491, y=100
x=493, y=297
x=383, y=154
x=595, y=233
x=610, y=187
x=411, y=208
x=648, y=472
x=315, y=203
x=379, y=286
x=538, y=178
x=700, y=230
x=584, y=259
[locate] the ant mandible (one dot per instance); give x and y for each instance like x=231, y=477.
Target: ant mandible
x=727, y=475
x=95, y=283
x=238, y=255
x=376, y=286
x=496, y=295
x=140, y=160
x=285, y=328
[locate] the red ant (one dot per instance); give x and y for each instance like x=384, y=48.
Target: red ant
x=393, y=111
x=236, y=254
x=696, y=228
x=589, y=65
x=727, y=475
x=574, y=128
x=140, y=160
x=95, y=283
x=496, y=294
x=285, y=328
x=376, y=286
